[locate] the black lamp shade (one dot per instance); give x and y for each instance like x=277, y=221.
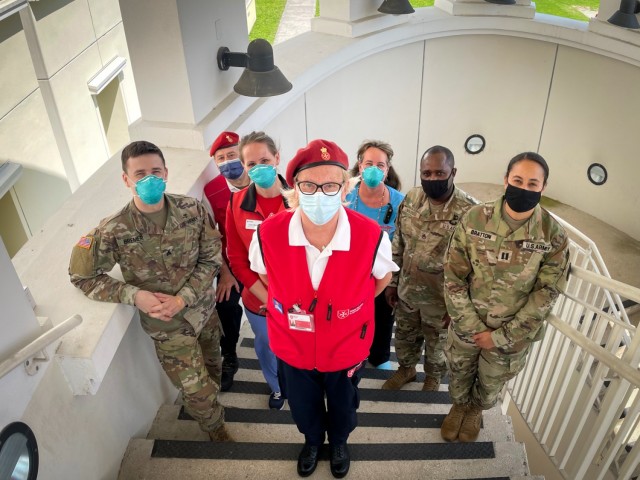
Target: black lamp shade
x=396, y=7
x=626, y=15
x=260, y=78
x=262, y=84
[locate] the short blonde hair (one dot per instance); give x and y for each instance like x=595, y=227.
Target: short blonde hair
x=291, y=195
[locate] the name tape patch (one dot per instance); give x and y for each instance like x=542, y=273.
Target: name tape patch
x=484, y=235
x=536, y=247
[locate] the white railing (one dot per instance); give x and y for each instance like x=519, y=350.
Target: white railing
x=579, y=390
x=27, y=353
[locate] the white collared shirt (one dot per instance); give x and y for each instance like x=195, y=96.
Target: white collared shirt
x=317, y=259
x=232, y=187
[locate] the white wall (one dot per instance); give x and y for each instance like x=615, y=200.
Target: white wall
x=592, y=117
x=492, y=85
x=48, y=120
x=86, y=436
x=375, y=98
x=575, y=108
x=288, y=130
x=19, y=327
x=17, y=77
x=173, y=54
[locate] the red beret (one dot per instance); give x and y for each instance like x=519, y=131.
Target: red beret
x=318, y=152
x=224, y=140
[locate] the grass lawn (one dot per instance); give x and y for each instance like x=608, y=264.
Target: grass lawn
x=268, y=13
x=567, y=8
x=561, y=8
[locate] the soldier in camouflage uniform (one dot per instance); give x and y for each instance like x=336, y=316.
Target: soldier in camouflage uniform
x=426, y=219
x=506, y=264
x=169, y=254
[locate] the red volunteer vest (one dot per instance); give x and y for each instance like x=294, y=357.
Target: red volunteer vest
x=343, y=311
x=243, y=215
x=218, y=193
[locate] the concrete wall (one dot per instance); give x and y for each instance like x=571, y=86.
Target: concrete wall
x=86, y=436
x=174, y=51
x=49, y=122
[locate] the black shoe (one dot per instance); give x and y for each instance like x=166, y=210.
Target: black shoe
x=308, y=460
x=229, y=369
x=340, y=460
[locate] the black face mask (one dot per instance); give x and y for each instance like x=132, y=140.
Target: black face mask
x=521, y=200
x=436, y=189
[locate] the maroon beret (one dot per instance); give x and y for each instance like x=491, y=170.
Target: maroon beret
x=318, y=152
x=224, y=140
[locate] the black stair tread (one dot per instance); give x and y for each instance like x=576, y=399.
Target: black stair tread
x=365, y=419
x=366, y=394
x=371, y=373
x=290, y=451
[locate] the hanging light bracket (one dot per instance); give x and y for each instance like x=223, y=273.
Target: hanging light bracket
x=260, y=78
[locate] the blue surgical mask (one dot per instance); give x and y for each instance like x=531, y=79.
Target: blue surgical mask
x=263, y=176
x=150, y=189
x=372, y=176
x=231, y=169
x=320, y=208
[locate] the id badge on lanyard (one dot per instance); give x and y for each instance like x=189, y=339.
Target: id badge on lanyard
x=300, y=320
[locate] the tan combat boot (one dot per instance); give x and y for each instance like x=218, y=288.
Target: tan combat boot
x=401, y=377
x=221, y=434
x=470, y=428
x=452, y=422
x=431, y=384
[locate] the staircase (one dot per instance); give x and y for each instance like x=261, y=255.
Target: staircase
x=398, y=435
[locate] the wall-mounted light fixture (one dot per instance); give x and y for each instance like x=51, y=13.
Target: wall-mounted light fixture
x=626, y=15
x=396, y=7
x=261, y=78
x=502, y=2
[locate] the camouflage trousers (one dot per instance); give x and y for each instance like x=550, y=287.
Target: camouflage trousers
x=194, y=365
x=416, y=327
x=477, y=375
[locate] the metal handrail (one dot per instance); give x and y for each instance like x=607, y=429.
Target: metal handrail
x=618, y=288
x=39, y=344
x=592, y=246
x=622, y=368
x=584, y=374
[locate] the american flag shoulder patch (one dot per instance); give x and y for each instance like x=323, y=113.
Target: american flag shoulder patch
x=85, y=242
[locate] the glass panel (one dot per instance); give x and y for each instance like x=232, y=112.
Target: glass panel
x=597, y=174
x=474, y=144
x=14, y=458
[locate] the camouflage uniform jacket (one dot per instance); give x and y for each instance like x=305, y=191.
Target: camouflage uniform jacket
x=503, y=280
x=183, y=259
x=420, y=244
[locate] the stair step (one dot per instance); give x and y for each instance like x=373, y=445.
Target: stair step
x=509, y=462
x=366, y=394
x=398, y=435
x=247, y=425
x=250, y=371
x=289, y=451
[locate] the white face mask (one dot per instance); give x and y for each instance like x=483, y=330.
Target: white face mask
x=320, y=208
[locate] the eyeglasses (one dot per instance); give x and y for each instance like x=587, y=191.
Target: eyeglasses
x=329, y=188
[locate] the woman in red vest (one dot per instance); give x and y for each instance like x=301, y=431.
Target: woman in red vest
x=325, y=265
x=247, y=209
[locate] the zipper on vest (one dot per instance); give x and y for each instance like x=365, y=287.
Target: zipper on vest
x=363, y=332
x=329, y=312
x=312, y=307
